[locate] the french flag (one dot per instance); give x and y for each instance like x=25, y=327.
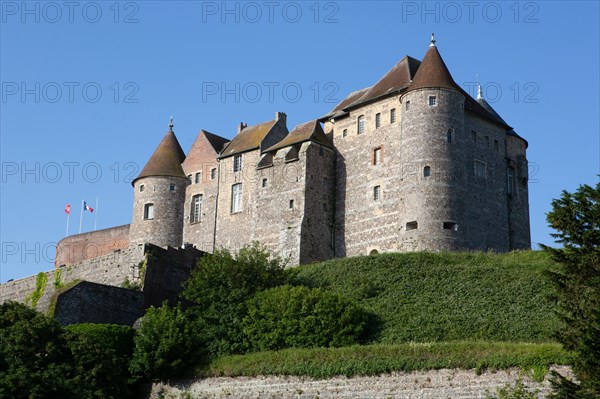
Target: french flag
x=86, y=207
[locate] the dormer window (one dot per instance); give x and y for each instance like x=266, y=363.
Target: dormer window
x=432, y=101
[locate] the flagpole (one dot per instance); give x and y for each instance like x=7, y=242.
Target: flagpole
x=81, y=217
x=68, y=217
x=96, y=217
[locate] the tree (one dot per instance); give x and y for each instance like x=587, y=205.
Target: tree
x=219, y=287
x=166, y=344
x=576, y=217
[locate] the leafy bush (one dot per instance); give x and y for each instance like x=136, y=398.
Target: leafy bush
x=220, y=286
x=166, y=344
x=300, y=317
x=101, y=356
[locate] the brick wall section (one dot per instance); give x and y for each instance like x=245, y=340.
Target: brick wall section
x=167, y=226
x=97, y=303
x=111, y=269
x=201, y=159
x=80, y=247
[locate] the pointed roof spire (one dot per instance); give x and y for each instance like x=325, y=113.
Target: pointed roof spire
x=432, y=41
x=433, y=72
x=479, y=93
x=166, y=160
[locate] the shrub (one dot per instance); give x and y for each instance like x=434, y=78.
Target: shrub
x=300, y=317
x=166, y=344
x=101, y=356
x=34, y=358
x=220, y=286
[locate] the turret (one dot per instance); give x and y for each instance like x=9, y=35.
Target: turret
x=159, y=195
x=432, y=158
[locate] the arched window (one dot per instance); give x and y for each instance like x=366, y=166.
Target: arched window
x=426, y=171
x=361, y=124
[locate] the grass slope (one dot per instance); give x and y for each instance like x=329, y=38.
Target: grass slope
x=428, y=297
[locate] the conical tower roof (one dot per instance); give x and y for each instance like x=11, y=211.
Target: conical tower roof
x=166, y=160
x=433, y=72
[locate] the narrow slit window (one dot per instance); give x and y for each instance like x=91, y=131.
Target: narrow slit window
x=449, y=135
x=412, y=226
x=197, y=178
x=344, y=132
x=393, y=115
x=291, y=204
x=408, y=105
x=377, y=156
x=426, y=171
x=376, y=193
x=450, y=226
x=474, y=136
x=496, y=146
x=361, y=124
x=213, y=173
x=264, y=182
x=377, y=120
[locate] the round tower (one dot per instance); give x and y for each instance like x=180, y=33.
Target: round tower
x=433, y=161
x=159, y=196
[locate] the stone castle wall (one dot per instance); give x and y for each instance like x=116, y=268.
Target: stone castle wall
x=80, y=247
x=111, y=269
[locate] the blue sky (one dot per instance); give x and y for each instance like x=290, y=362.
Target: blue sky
x=88, y=88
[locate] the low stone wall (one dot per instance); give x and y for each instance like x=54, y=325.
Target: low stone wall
x=111, y=269
x=463, y=384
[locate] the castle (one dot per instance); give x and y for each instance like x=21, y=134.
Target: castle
x=411, y=163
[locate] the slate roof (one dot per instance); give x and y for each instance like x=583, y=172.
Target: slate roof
x=217, y=142
x=248, y=139
x=511, y=132
x=166, y=160
x=308, y=131
x=433, y=73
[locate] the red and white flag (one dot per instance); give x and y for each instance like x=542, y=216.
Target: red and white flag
x=68, y=209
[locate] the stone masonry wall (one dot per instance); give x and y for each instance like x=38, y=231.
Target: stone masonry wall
x=80, y=247
x=363, y=224
x=110, y=269
x=518, y=200
x=434, y=384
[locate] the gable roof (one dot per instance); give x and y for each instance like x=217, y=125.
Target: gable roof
x=166, y=159
x=248, y=139
x=217, y=142
x=205, y=149
x=308, y=131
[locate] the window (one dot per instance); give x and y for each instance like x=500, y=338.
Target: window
x=496, y=145
x=376, y=193
x=432, y=101
x=412, y=226
x=142, y=188
x=344, y=132
x=487, y=141
x=377, y=120
x=291, y=206
x=361, y=124
x=190, y=178
x=450, y=226
x=510, y=180
x=426, y=171
x=474, y=136
x=480, y=169
x=264, y=182
x=449, y=135
x=196, y=208
x=171, y=187
x=198, y=177
x=237, y=163
x=393, y=115
x=407, y=105
x=148, y=211
x=236, y=198
x=377, y=156
x=213, y=173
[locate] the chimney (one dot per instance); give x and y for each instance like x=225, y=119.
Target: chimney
x=241, y=127
x=280, y=115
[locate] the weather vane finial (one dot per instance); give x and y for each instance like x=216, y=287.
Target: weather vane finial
x=479, y=91
x=171, y=124
x=432, y=43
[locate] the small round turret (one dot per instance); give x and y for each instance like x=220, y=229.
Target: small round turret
x=159, y=196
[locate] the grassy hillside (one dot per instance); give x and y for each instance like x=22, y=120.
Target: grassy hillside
x=426, y=297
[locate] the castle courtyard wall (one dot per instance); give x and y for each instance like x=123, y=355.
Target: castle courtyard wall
x=80, y=247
